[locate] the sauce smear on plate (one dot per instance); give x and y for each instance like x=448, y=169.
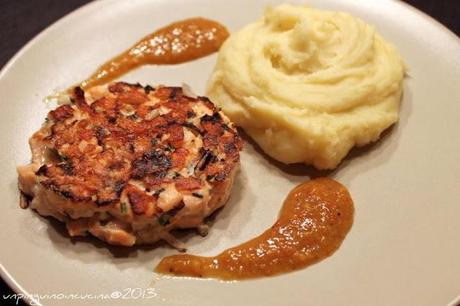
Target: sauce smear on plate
x=178, y=42
x=313, y=222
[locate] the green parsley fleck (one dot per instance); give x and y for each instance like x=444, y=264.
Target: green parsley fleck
x=170, y=148
x=123, y=208
x=164, y=219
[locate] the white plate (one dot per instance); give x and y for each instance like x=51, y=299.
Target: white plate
x=403, y=249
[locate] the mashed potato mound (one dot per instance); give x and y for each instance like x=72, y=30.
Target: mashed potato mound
x=307, y=85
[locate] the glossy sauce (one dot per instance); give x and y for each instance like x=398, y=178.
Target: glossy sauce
x=313, y=222
x=176, y=43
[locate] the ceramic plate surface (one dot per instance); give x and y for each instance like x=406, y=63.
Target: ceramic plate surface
x=403, y=249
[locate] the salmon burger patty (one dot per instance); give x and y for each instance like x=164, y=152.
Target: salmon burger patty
x=128, y=163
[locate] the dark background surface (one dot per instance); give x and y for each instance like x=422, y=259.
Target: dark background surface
x=21, y=20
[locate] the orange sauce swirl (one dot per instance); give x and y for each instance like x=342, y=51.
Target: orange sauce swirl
x=313, y=222
x=178, y=42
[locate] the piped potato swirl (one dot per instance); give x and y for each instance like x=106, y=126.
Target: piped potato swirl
x=307, y=85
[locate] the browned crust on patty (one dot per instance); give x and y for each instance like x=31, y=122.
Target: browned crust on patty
x=101, y=146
